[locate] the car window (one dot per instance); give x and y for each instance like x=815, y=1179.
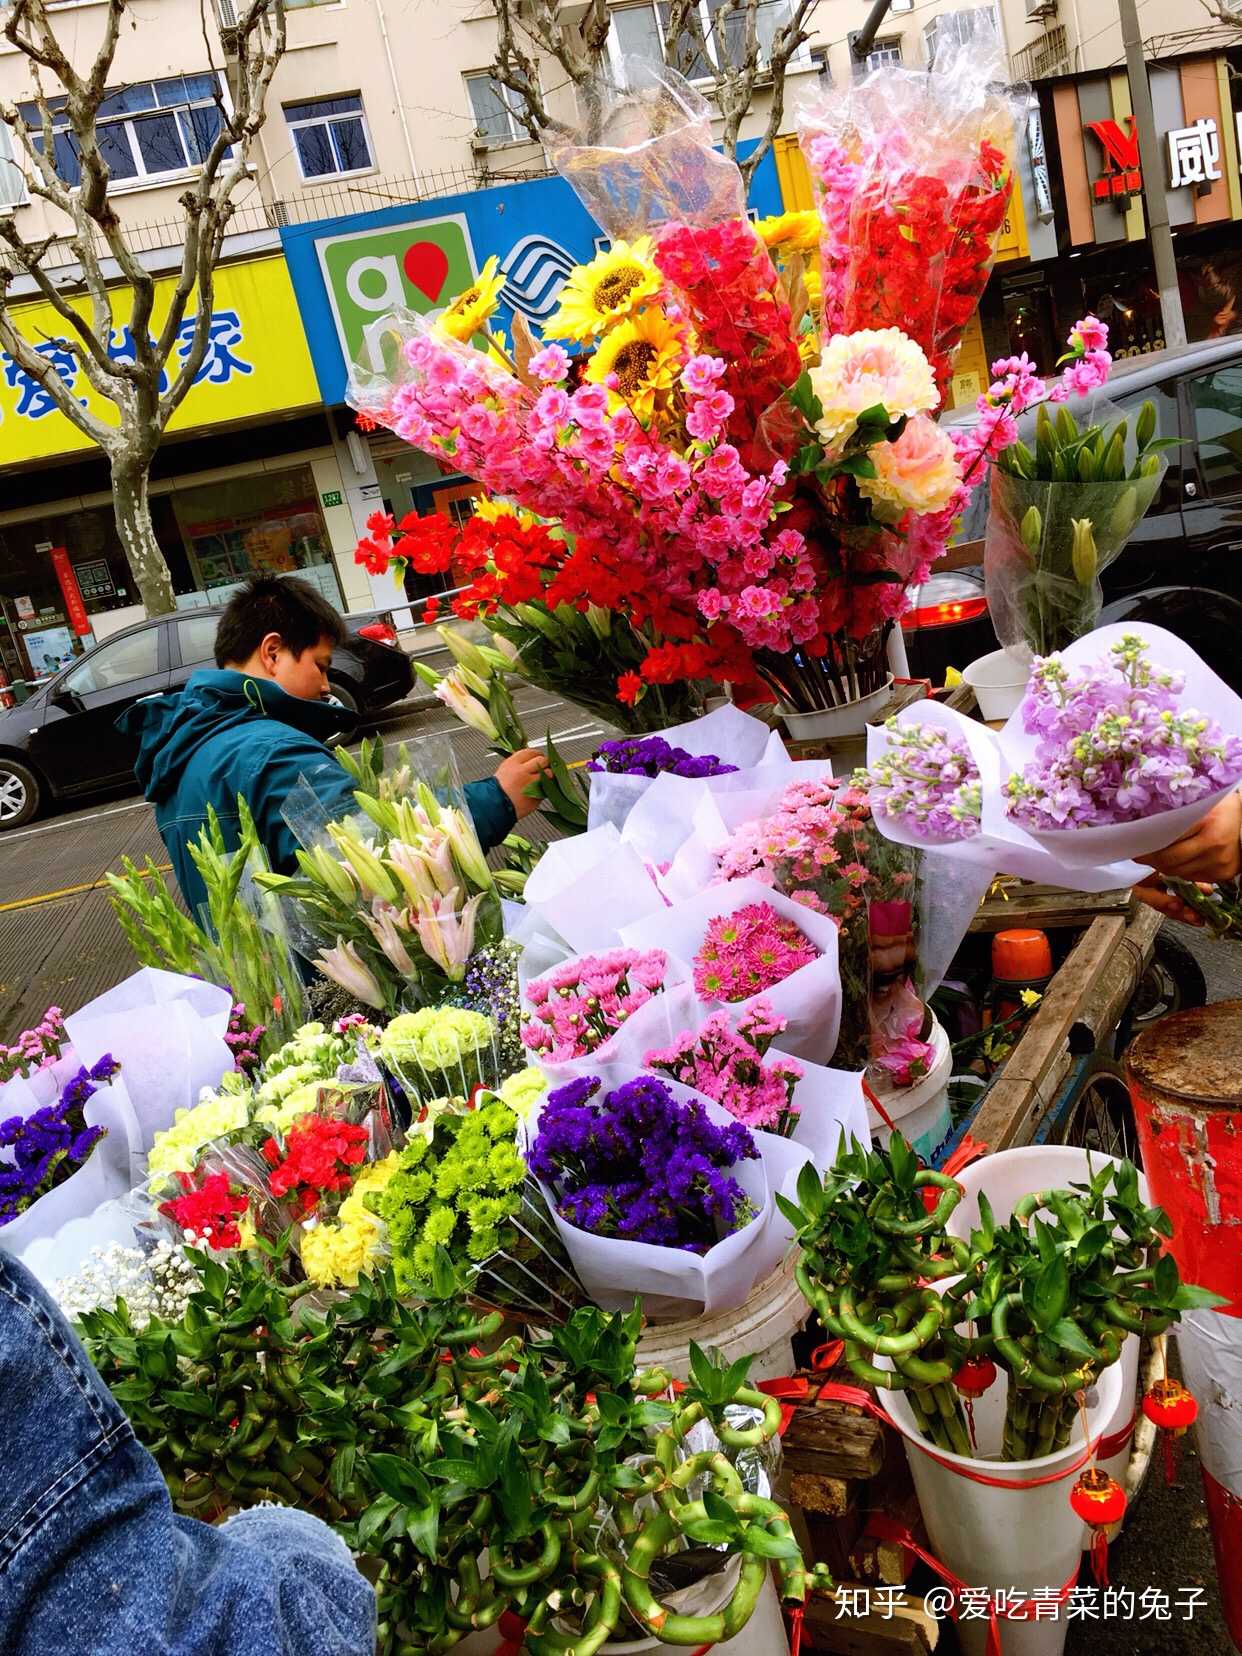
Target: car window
x=1163, y=396
x=118, y=663
x=196, y=639
x=1216, y=402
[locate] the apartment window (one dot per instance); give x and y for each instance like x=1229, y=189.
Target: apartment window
x=151, y=130
x=902, y=5
x=884, y=51
x=12, y=180
x=330, y=136
x=638, y=32
x=494, y=108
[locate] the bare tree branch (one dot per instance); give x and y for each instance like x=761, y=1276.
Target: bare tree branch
x=255, y=44
x=1226, y=11
x=729, y=54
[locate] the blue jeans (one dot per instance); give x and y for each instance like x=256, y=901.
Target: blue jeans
x=93, y=1560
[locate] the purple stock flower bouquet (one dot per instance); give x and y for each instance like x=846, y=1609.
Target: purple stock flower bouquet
x=927, y=781
x=727, y=1065
x=641, y=1165
x=652, y=756
x=49, y=1145
x=1115, y=745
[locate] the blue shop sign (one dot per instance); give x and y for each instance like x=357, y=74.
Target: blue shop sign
x=349, y=271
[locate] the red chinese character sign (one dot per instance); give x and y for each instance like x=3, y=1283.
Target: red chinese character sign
x=75, y=609
x=1122, y=176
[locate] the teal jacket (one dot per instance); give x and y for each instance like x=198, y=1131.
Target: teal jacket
x=226, y=734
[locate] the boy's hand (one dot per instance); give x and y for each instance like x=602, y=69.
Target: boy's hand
x=1153, y=892
x=516, y=773
x=1211, y=851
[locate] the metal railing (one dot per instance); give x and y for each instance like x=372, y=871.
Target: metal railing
x=1051, y=54
x=258, y=213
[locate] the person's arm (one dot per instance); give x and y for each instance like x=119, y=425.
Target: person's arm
x=500, y=801
x=277, y=775
x=1210, y=853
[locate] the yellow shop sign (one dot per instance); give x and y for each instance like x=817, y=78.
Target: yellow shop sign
x=257, y=362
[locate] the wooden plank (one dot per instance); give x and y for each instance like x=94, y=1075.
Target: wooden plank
x=833, y=1440
x=1020, y=1097
x=1098, y=1019
x=1051, y=908
x=907, y=1630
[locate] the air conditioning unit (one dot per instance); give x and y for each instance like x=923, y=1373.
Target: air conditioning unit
x=569, y=14
x=1040, y=9
x=480, y=143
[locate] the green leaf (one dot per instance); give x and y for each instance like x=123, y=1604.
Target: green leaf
x=802, y=395
x=1070, y=1337
x=1050, y=1295
x=451, y=1469
x=855, y=465
x=810, y=1190
x=1045, y=1241
x=190, y=1402
x=806, y=459
x=399, y=1479
x=761, y=1544
x=709, y=1532
x=1166, y=1278
x=905, y=1163
x=1190, y=1297
x=794, y=1214
x=423, y=1528
x=377, y=1514
x=718, y=1508
x=702, y=1371
x=1091, y=1244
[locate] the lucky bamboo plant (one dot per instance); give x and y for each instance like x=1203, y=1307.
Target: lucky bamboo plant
x=1050, y=1297
x=238, y=939
x=471, y=1475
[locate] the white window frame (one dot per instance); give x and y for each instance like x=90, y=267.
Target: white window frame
x=801, y=59
x=517, y=132
x=885, y=50
x=142, y=179
x=325, y=120
x=10, y=165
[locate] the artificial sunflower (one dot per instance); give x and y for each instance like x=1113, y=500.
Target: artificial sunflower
x=791, y=232
x=606, y=291
x=491, y=510
x=646, y=355
x=470, y=310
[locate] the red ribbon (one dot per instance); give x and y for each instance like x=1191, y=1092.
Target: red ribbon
x=1116, y=1441
x=888, y=1529
x=795, y=1630
x=878, y=1107
x=969, y=1150
x=797, y=1388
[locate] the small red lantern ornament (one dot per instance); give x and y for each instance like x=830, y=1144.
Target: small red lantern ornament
x=975, y=1376
x=1170, y=1406
x=1100, y=1502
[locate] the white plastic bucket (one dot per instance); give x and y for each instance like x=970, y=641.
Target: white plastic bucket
x=920, y=1113
x=850, y=719
x=993, y=1538
x=1005, y=1179
x=763, y=1325
x=998, y=681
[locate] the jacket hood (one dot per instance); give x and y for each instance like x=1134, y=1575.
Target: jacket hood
x=172, y=728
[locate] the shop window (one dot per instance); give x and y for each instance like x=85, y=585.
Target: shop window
x=268, y=524
x=330, y=136
x=118, y=663
x=150, y=130
x=1216, y=400
x=495, y=111
x=196, y=640
x=639, y=31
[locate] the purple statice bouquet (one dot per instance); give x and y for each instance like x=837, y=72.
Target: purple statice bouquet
x=748, y=951
x=727, y=1064
x=927, y=782
x=652, y=756
x=1114, y=744
x=36, y=1048
x=641, y=1165
x=579, y=1004
x=49, y=1145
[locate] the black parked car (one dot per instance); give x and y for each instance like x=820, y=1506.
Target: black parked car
x=1183, y=567
x=63, y=742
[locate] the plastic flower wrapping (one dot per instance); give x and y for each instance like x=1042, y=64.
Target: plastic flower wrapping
x=699, y=474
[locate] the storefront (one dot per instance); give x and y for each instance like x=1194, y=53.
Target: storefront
x=1103, y=260
x=246, y=482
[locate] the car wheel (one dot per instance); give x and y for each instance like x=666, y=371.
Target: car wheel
x=345, y=697
x=19, y=794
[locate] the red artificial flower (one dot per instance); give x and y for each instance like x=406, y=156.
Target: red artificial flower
x=318, y=1155
x=431, y=611
x=428, y=543
x=373, y=557
x=211, y=1210
x=629, y=688
x=381, y=525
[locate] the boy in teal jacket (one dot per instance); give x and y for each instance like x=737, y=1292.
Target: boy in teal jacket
x=256, y=726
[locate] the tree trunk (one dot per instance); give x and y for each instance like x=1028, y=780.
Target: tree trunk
x=132, y=508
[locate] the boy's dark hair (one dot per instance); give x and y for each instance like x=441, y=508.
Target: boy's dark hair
x=275, y=604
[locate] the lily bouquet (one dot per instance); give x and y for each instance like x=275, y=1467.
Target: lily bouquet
x=390, y=904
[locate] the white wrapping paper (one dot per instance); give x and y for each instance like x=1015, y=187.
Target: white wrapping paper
x=809, y=1000
x=718, y=816
x=1001, y=847
x=670, y=1282
x=167, y=1033
x=733, y=736
x=1205, y=692
x=586, y=888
